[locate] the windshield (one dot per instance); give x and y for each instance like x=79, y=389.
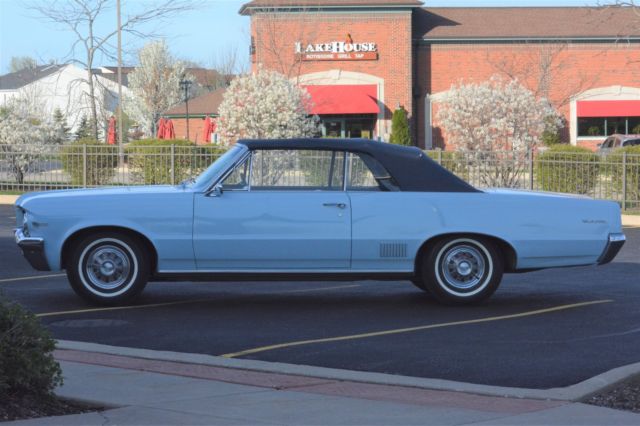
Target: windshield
x=218, y=167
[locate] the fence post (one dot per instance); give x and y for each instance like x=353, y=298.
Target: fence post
x=440, y=157
x=624, y=181
x=530, y=155
x=173, y=164
x=84, y=166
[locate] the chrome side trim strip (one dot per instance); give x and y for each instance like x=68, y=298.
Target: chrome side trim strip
x=287, y=271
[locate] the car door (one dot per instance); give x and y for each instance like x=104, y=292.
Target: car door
x=280, y=210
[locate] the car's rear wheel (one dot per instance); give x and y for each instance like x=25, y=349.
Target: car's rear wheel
x=108, y=268
x=462, y=269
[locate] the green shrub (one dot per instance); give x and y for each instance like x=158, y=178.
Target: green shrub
x=632, y=172
x=456, y=162
x=400, y=133
x=567, y=168
x=101, y=162
x=636, y=130
x=150, y=160
x=26, y=360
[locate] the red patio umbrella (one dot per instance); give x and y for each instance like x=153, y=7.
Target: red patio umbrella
x=214, y=126
x=169, y=131
x=207, y=129
x=161, y=130
x=112, y=135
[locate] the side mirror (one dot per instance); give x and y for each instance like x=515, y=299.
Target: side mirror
x=217, y=190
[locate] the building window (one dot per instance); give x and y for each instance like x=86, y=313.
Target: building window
x=605, y=126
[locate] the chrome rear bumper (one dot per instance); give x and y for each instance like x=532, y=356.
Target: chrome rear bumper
x=33, y=250
x=615, y=243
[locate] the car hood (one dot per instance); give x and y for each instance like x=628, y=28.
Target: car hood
x=73, y=194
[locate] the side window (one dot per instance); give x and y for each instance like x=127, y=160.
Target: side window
x=238, y=180
x=367, y=174
x=632, y=142
x=297, y=170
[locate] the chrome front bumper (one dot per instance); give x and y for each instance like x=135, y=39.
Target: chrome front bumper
x=615, y=243
x=33, y=250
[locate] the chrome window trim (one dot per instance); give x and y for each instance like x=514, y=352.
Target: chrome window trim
x=227, y=173
x=347, y=156
x=302, y=188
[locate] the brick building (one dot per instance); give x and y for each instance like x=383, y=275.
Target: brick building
x=361, y=59
x=199, y=109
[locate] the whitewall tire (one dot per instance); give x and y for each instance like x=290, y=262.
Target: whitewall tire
x=462, y=270
x=108, y=268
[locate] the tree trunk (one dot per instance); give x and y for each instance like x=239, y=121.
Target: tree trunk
x=92, y=96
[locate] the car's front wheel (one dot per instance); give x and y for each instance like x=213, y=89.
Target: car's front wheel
x=462, y=270
x=108, y=268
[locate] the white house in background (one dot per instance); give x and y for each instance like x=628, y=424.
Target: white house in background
x=64, y=87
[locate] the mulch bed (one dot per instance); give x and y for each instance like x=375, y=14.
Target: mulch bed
x=25, y=406
x=625, y=396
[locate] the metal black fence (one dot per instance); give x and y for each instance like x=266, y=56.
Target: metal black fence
x=614, y=176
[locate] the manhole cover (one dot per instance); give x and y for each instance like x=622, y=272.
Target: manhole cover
x=85, y=323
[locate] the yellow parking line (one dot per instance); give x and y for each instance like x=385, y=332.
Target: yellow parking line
x=34, y=277
x=182, y=302
x=320, y=288
x=120, y=308
x=411, y=329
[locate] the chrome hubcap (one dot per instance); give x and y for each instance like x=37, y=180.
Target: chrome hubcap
x=108, y=267
x=463, y=267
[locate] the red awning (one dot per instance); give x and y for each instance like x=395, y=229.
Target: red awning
x=344, y=99
x=608, y=109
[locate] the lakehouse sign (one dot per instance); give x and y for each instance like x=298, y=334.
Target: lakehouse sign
x=337, y=51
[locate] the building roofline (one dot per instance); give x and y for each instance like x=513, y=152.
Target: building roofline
x=577, y=39
x=247, y=8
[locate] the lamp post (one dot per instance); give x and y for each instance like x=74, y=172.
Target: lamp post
x=120, y=124
x=185, y=85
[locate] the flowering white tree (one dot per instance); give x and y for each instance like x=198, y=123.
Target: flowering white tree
x=498, y=123
x=24, y=136
x=266, y=105
x=154, y=85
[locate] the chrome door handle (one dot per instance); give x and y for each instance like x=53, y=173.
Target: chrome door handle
x=338, y=205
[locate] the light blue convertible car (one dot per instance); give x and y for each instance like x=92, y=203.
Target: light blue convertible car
x=312, y=209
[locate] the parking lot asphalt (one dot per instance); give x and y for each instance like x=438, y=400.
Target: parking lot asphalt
x=542, y=329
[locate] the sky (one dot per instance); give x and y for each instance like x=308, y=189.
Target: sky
x=200, y=36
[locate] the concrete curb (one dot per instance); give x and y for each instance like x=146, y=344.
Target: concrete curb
x=630, y=220
x=576, y=392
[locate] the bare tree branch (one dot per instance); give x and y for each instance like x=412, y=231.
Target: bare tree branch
x=80, y=17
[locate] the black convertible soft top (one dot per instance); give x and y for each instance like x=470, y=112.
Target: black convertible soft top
x=410, y=167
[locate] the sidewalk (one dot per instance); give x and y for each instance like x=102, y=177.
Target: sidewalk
x=146, y=391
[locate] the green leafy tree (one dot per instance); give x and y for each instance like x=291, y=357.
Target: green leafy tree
x=84, y=129
x=400, y=134
x=61, y=129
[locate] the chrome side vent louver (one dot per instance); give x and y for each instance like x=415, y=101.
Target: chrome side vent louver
x=393, y=250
